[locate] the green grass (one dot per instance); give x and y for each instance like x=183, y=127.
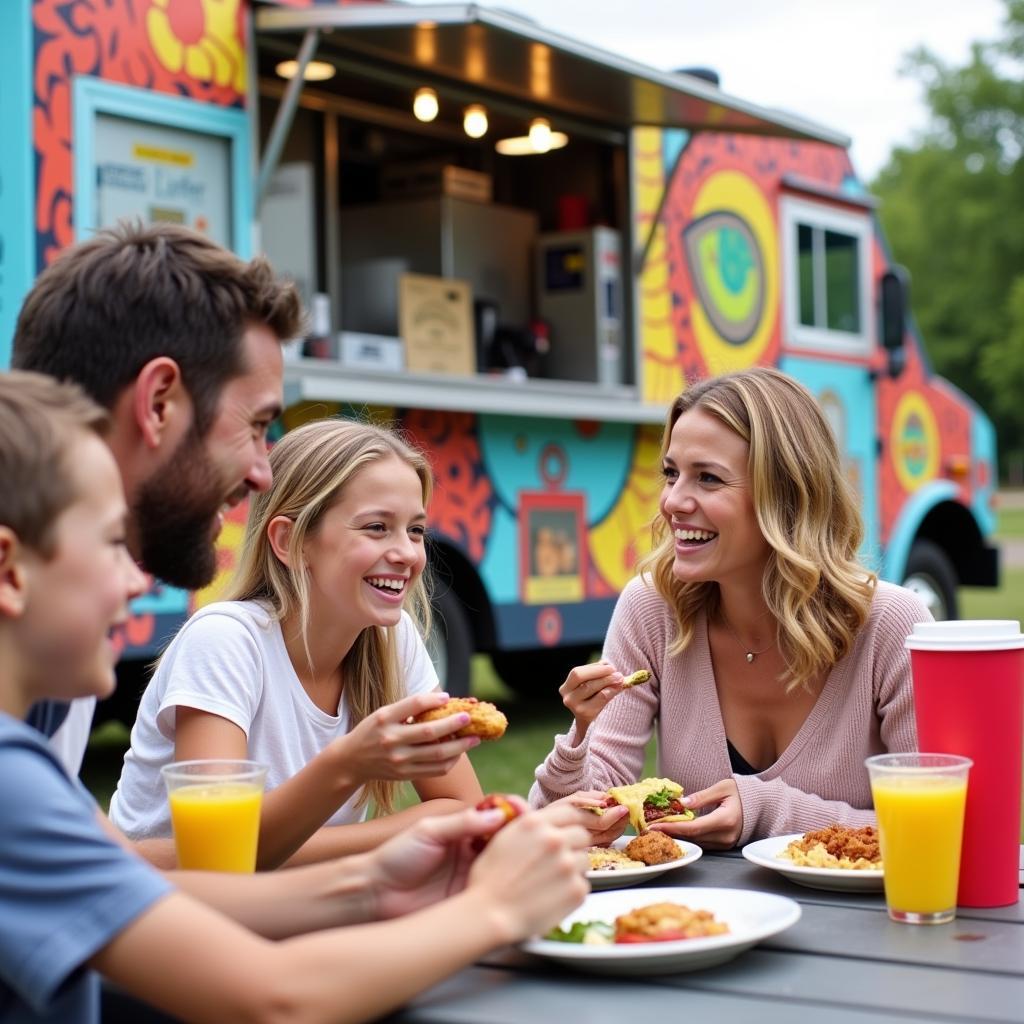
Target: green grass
x=1010, y=521
x=1003, y=602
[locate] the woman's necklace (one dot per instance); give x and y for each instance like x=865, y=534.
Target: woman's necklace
x=750, y=655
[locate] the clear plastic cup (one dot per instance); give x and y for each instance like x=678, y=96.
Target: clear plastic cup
x=215, y=813
x=919, y=801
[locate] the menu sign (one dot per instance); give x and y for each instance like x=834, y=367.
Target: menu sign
x=153, y=173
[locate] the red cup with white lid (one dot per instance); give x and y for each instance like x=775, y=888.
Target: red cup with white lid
x=969, y=699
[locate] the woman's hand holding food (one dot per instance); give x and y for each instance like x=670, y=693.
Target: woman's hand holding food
x=385, y=745
x=587, y=690
x=531, y=874
x=606, y=826
x=719, y=826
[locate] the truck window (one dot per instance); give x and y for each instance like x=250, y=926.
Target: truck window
x=827, y=286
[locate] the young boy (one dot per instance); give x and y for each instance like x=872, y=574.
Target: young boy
x=73, y=902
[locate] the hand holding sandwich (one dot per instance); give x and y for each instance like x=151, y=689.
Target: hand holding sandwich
x=721, y=824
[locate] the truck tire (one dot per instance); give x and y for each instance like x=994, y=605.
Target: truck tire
x=538, y=673
x=930, y=574
x=451, y=644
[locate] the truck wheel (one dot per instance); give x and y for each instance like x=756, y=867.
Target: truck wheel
x=538, y=673
x=451, y=644
x=931, y=576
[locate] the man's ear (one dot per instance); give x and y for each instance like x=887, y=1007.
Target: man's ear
x=279, y=533
x=160, y=403
x=13, y=577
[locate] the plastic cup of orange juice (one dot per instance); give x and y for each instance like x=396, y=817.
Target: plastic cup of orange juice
x=919, y=801
x=215, y=813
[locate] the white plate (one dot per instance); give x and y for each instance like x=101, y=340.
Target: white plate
x=751, y=916
x=622, y=877
x=765, y=853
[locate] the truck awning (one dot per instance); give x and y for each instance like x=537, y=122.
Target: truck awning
x=498, y=53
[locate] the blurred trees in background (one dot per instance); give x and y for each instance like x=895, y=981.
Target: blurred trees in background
x=953, y=211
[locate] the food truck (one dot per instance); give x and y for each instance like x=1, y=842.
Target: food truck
x=518, y=248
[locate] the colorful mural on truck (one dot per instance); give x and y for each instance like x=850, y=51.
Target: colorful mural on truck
x=553, y=513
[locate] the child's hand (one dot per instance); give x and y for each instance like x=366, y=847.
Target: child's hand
x=431, y=860
x=386, y=746
x=531, y=874
x=587, y=690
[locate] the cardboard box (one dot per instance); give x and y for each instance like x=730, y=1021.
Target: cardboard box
x=429, y=179
x=435, y=317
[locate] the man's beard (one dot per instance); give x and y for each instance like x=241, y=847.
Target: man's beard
x=174, y=516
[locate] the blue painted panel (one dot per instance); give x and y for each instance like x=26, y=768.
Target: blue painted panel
x=93, y=96
x=673, y=142
x=17, y=181
x=519, y=451
x=847, y=394
x=584, y=623
x=920, y=503
x=500, y=566
x=983, y=449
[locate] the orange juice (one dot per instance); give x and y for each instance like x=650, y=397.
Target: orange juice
x=920, y=821
x=216, y=826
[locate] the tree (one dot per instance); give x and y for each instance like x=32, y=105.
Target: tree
x=953, y=210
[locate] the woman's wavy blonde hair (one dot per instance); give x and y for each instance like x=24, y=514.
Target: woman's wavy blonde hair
x=312, y=465
x=814, y=585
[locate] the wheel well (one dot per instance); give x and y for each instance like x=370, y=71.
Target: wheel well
x=451, y=570
x=952, y=527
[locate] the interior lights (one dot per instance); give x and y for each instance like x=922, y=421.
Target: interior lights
x=425, y=105
x=474, y=121
x=316, y=70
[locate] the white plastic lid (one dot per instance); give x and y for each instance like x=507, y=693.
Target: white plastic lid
x=966, y=635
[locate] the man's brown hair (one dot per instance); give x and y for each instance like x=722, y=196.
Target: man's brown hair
x=39, y=420
x=133, y=293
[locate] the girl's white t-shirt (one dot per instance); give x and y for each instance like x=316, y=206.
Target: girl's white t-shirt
x=230, y=660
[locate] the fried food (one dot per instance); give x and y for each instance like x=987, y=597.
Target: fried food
x=837, y=846
x=653, y=848
x=485, y=720
x=641, y=675
x=500, y=802
x=665, y=922
x=603, y=858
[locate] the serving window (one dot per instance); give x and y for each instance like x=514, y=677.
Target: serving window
x=393, y=196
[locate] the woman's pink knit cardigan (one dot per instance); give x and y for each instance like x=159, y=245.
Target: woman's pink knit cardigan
x=866, y=707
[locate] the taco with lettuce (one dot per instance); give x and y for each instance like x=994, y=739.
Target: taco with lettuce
x=648, y=801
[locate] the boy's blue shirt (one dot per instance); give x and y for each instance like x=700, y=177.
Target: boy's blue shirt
x=47, y=716
x=66, y=889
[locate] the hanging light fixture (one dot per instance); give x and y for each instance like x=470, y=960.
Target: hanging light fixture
x=316, y=70
x=523, y=145
x=474, y=121
x=540, y=134
x=425, y=105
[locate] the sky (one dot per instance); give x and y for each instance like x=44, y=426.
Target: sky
x=832, y=61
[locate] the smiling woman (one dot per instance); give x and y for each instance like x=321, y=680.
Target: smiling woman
x=777, y=658
x=315, y=661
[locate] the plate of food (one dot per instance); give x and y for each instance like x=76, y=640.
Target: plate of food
x=663, y=930
x=635, y=859
x=838, y=858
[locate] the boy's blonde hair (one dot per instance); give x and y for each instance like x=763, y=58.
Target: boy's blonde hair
x=311, y=467
x=813, y=584
x=39, y=419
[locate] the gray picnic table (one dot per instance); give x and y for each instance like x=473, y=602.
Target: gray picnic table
x=843, y=962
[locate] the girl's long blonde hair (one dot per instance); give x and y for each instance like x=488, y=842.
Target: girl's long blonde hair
x=814, y=585
x=311, y=466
